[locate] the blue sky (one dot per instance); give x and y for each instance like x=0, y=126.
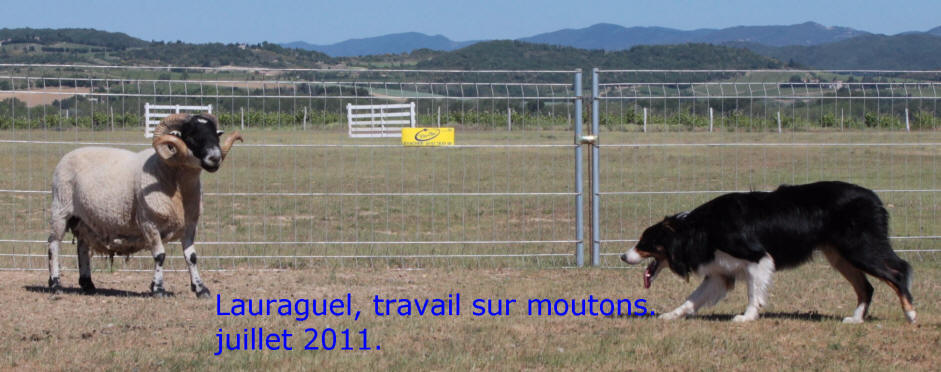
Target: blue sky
x=324, y=22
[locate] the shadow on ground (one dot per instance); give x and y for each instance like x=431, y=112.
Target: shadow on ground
x=103, y=292
x=811, y=316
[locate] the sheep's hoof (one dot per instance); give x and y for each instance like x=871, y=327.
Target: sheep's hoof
x=203, y=291
x=157, y=291
x=87, y=286
x=54, y=286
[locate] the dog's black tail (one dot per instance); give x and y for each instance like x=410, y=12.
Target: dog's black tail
x=904, y=276
x=863, y=223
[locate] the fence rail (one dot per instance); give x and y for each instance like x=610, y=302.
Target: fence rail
x=299, y=192
x=725, y=117
x=511, y=191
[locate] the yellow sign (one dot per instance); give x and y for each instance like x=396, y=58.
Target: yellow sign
x=427, y=136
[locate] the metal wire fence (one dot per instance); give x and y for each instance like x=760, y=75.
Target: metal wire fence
x=769, y=100
x=300, y=192
x=671, y=140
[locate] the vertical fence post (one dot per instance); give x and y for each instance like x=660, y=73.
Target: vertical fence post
x=242, y=111
x=509, y=119
x=908, y=127
x=146, y=116
x=645, y=120
x=579, y=189
x=595, y=184
x=779, y=121
x=710, y=120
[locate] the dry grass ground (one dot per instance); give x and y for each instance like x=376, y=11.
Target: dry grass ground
x=315, y=211
x=123, y=329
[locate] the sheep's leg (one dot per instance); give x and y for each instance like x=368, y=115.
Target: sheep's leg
x=152, y=234
x=84, y=268
x=156, y=287
x=55, y=240
x=189, y=255
x=54, y=284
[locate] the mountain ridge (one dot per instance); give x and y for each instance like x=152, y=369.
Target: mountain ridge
x=607, y=36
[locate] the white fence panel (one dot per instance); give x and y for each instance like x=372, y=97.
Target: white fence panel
x=378, y=121
x=154, y=113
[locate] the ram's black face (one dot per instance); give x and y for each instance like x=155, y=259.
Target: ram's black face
x=201, y=135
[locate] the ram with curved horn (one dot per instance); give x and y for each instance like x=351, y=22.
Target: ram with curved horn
x=119, y=202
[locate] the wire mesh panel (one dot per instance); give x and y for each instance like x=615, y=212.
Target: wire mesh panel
x=672, y=140
x=299, y=191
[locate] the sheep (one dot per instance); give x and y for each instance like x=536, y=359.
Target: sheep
x=119, y=202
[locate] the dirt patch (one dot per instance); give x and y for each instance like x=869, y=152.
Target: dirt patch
x=44, y=96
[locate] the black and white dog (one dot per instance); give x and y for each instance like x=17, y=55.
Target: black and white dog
x=750, y=235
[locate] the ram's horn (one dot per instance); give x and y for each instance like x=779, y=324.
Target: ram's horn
x=164, y=136
x=175, y=148
x=229, y=141
x=169, y=124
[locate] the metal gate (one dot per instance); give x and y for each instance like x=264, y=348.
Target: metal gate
x=666, y=141
x=299, y=192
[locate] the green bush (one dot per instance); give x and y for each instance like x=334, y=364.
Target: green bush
x=923, y=120
x=871, y=120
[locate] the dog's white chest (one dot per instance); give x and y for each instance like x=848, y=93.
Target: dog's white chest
x=724, y=265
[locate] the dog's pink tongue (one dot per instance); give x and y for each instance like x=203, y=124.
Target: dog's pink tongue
x=649, y=272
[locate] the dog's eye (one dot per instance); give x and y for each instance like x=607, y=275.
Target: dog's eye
x=219, y=133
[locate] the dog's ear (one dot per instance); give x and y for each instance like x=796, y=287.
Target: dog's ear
x=675, y=222
x=676, y=249
x=668, y=223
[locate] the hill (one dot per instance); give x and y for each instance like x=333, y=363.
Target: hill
x=218, y=54
x=807, y=33
x=599, y=36
x=613, y=37
x=83, y=36
x=89, y=46
x=509, y=54
x=917, y=50
x=386, y=44
x=905, y=51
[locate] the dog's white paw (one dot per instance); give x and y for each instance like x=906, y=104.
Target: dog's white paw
x=852, y=320
x=743, y=318
x=670, y=316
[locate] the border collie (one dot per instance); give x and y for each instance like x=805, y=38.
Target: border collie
x=750, y=235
